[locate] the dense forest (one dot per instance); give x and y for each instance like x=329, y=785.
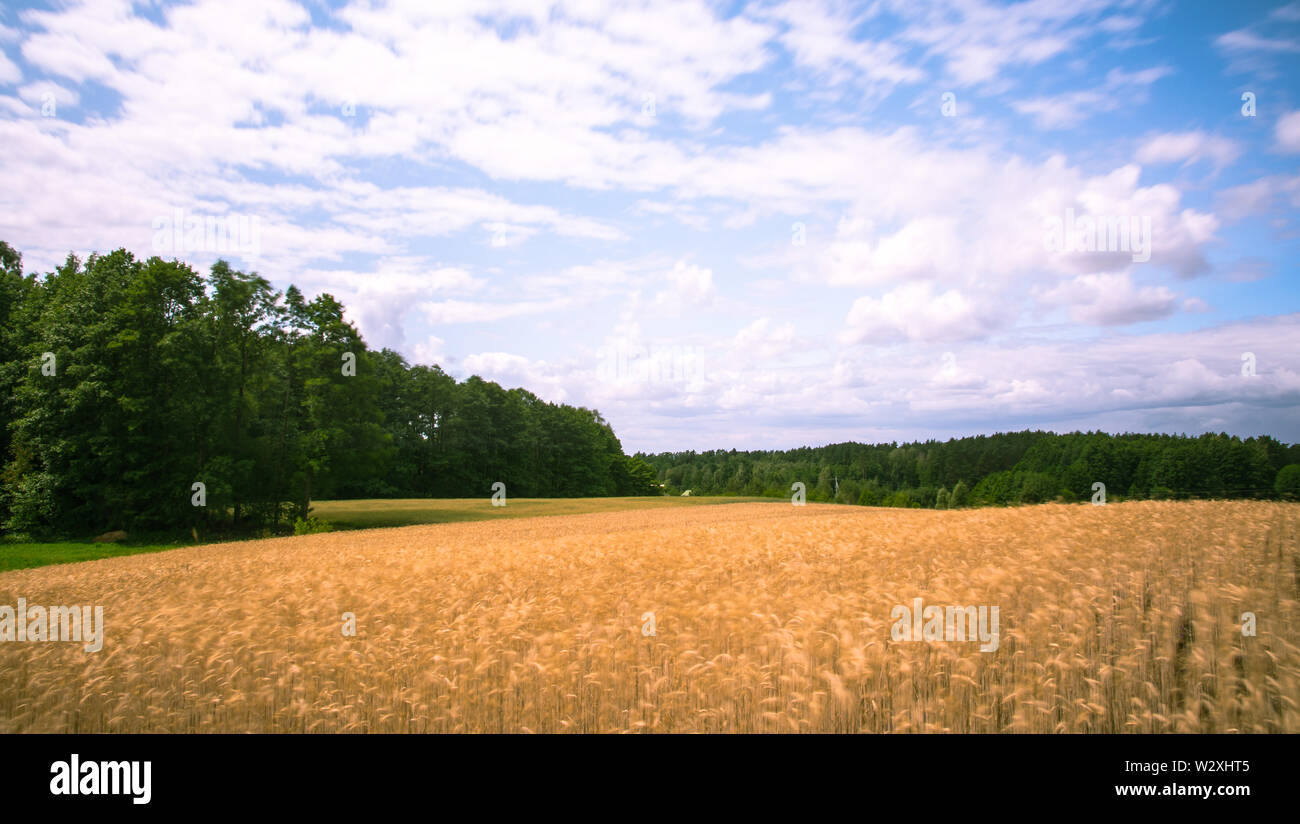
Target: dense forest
x=123, y=383
x=1006, y=468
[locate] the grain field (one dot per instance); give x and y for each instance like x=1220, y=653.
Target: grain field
x=765, y=618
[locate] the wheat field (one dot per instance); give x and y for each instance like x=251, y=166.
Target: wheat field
x=767, y=618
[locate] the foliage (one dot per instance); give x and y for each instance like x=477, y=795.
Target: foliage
x=162, y=379
x=311, y=526
x=996, y=470
x=1287, y=484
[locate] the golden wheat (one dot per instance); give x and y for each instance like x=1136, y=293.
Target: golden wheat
x=767, y=618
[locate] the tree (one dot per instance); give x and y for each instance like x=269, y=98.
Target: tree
x=638, y=478
x=108, y=435
x=1287, y=483
x=959, y=496
x=1037, y=487
x=157, y=378
x=15, y=299
x=1008, y=467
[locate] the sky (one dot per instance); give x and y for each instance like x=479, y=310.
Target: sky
x=723, y=225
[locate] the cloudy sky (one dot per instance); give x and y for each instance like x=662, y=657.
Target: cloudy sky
x=722, y=225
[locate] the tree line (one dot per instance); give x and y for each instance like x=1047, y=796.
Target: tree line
x=1005, y=468
x=126, y=383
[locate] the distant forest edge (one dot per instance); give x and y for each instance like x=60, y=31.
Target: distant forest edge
x=1006, y=468
x=125, y=382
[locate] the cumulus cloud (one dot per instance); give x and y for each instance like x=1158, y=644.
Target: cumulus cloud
x=688, y=286
x=430, y=352
x=638, y=161
x=979, y=256
x=1112, y=300
x=763, y=341
x=511, y=370
x=915, y=312
x=378, y=300
x=1157, y=381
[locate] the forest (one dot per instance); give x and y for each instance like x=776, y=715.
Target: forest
x=1005, y=468
x=125, y=383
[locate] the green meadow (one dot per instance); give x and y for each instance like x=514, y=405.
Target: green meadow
x=359, y=514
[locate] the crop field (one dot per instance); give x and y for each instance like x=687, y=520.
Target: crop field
x=744, y=618
x=382, y=512
x=361, y=514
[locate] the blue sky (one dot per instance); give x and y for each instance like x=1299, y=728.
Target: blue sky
x=721, y=224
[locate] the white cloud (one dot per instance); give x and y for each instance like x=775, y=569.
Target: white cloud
x=1149, y=382
x=9, y=71
x=460, y=311
x=688, y=286
x=924, y=247
x=510, y=370
x=1112, y=300
x=920, y=220
x=380, y=299
x=816, y=35
x=37, y=93
x=1258, y=197
x=1287, y=132
x=430, y=351
x=1289, y=13
x=915, y=312
x=978, y=41
x=529, y=118
x=1243, y=40
x=763, y=340
x=1120, y=89
x=1189, y=147
x=596, y=280
x=1258, y=47
x=498, y=364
